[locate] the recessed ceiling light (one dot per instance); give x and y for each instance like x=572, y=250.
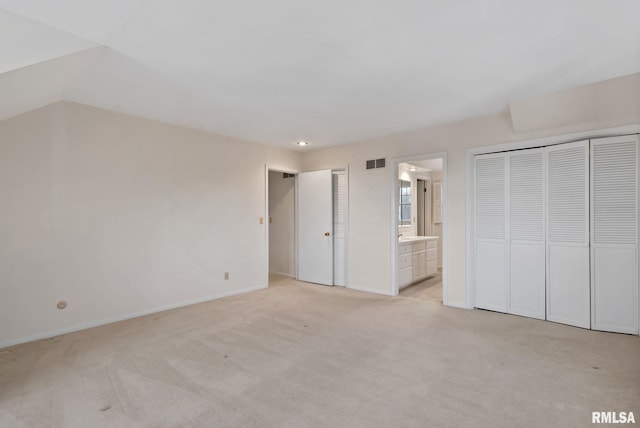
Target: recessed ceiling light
x=413, y=168
x=302, y=143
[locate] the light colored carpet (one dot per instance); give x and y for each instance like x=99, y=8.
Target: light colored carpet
x=303, y=355
x=429, y=289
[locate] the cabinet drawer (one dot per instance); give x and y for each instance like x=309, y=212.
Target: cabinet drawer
x=419, y=246
x=432, y=244
x=405, y=260
x=404, y=249
x=432, y=268
x=432, y=254
x=405, y=276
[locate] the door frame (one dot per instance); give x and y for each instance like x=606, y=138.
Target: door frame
x=470, y=289
x=268, y=168
x=394, y=221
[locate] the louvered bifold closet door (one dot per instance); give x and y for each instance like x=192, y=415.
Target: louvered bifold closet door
x=526, y=292
x=614, y=234
x=490, y=232
x=567, y=192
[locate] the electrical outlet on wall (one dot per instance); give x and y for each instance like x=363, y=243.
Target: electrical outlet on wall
x=226, y=276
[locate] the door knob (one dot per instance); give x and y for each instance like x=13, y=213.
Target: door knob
x=327, y=234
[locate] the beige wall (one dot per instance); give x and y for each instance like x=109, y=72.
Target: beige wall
x=120, y=216
x=604, y=104
x=370, y=190
x=282, y=228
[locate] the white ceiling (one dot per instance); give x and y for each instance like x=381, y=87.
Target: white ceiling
x=428, y=164
x=331, y=72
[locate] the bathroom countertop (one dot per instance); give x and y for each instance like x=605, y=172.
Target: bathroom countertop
x=410, y=239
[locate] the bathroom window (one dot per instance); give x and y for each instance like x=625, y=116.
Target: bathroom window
x=404, y=207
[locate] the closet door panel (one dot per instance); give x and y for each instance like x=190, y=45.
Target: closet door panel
x=615, y=290
x=568, y=296
x=614, y=234
x=490, y=232
x=567, y=267
x=490, y=273
x=526, y=223
x=527, y=292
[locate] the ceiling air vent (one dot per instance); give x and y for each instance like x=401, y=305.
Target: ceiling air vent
x=376, y=163
x=287, y=175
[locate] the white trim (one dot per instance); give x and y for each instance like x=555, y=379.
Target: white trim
x=445, y=230
x=394, y=228
x=53, y=333
x=266, y=229
x=370, y=290
x=470, y=292
x=457, y=305
x=445, y=221
x=290, y=275
x=346, y=226
x=524, y=144
x=556, y=139
x=395, y=289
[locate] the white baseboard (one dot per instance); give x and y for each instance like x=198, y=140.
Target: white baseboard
x=290, y=275
x=53, y=333
x=458, y=305
x=370, y=290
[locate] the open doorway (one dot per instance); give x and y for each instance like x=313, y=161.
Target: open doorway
x=281, y=223
x=419, y=223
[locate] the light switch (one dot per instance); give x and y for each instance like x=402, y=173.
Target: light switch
x=261, y=220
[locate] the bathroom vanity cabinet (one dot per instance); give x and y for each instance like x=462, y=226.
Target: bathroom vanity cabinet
x=417, y=259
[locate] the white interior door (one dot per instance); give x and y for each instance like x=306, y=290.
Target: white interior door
x=526, y=234
x=490, y=232
x=315, y=227
x=568, y=291
x=614, y=234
